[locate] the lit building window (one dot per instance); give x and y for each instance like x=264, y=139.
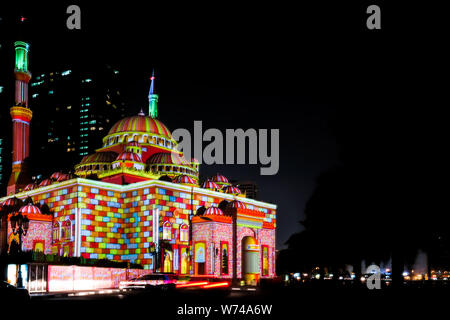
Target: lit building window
x=65, y=73
x=265, y=260
x=67, y=230
x=184, y=233
x=167, y=231
x=56, y=231
x=224, y=256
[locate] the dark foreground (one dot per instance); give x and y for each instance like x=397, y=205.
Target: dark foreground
x=302, y=302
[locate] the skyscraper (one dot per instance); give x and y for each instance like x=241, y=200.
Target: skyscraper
x=249, y=188
x=76, y=105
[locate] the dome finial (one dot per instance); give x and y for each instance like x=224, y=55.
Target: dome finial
x=152, y=98
x=141, y=113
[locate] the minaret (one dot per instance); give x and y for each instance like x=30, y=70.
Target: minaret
x=152, y=98
x=21, y=116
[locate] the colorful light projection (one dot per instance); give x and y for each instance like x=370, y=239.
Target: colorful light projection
x=21, y=56
x=73, y=278
x=152, y=98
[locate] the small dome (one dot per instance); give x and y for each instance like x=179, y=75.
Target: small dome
x=129, y=156
x=11, y=202
x=30, y=186
x=236, y=204
x=140, y=123
x=55, y=175
x=184, y=179
x=99, y=157
x=30, y=209
x=219, y=179
x=63, y=177
x=231, y=190
x=210, y=185
x=168, y=158
x=213, y=211
x=45, y=182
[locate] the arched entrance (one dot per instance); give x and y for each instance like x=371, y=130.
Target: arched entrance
x=250, y=259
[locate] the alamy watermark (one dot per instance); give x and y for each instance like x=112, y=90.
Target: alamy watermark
x=232, y=149
x=374, y=280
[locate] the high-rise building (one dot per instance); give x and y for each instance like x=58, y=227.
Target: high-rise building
x=76, y=106
x=249, y=188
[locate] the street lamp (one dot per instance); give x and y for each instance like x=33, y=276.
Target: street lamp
x=19, y=225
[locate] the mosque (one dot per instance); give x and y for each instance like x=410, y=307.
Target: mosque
x=135, y=199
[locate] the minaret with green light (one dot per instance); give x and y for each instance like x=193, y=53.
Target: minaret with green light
x=152, y=98
x=21, y=116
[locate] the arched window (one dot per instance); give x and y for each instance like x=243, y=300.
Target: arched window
x=56, y=231
x=224, y=256
x=167, y=231
x=184, y=233
x=265, y=260
x=67, y=230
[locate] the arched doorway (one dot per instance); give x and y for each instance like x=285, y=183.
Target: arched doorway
x=250, y=259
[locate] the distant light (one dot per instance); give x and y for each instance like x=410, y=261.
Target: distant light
x=152, y=78
x=405, y=274
x=65, y=73
x=1, y=89
x=22, y=19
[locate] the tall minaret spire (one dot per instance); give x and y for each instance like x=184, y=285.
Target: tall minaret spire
x=152, y=98
x=21, y=116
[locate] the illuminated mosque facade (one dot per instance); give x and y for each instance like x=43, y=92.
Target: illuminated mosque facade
x=136, y=199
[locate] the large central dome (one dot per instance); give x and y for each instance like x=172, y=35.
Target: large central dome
x=140, y=123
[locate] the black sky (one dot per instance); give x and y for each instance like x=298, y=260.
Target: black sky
x=313, y=71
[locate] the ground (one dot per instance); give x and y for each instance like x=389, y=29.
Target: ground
x=287, y=303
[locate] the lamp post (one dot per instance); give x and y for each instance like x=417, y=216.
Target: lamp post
x=19, y=225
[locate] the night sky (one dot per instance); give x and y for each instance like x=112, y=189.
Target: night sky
x=314, y=72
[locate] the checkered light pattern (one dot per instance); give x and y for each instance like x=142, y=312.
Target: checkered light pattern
x=108, y=223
